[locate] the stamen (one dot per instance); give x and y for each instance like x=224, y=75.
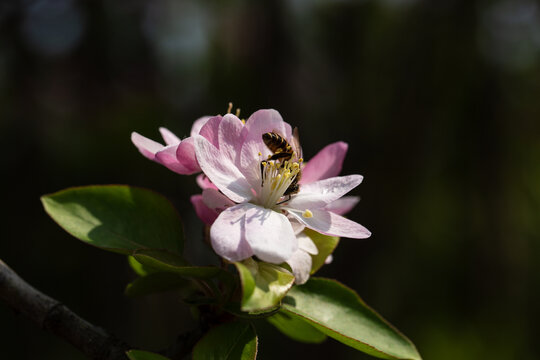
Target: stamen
x=243, y=121
x=237, y=112
x=307, y=214
x=276, y=177
x=229, y=109
x=260, y=153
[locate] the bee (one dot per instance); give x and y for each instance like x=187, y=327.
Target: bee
x=283, y=152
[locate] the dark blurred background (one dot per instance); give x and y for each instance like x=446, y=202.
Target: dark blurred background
x=438, y=100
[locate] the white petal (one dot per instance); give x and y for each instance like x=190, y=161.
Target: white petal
x=250, y=162
x=320, y=193
x=169, y=137
x=228, y=234
x=305, y=243
x=300, y=264
x=328, y=223
x=343, y=205
x=269, y=234
x=222, y=171
x=297, y=226
x=329, y=259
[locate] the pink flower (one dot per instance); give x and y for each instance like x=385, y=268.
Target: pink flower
x=243, y=191
x=177, y=155
x=250, y=214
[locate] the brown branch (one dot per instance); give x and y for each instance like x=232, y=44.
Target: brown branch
x=56, y=318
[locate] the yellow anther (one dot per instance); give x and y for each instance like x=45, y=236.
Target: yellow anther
x=243, y=121
x=260, y=153
x=307, y=214
x=229, y=109
x=238, y=112
x=263, y=163
x=301, y=160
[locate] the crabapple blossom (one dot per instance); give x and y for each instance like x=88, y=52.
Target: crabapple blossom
x=244, y=196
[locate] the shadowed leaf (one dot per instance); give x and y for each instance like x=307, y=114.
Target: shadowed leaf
x=340, y=313
x=230, y=341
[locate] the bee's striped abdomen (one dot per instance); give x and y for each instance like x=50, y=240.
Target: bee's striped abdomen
x=275, y=142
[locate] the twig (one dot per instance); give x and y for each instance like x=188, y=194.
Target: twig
x=56, y=318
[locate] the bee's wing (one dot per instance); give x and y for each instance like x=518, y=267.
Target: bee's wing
x=296, y=143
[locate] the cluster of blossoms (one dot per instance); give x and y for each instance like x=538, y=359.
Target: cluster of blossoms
x=244, y=198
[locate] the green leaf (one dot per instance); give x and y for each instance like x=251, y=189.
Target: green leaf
x=296, y=328
x=155, y=283
x=326, y=246
x=230, y=341
x=144, y=355
x=163, y=261
x=117, y=218
x=139, y=268
x=340, y=313
x=234, y=308
x=263, y=284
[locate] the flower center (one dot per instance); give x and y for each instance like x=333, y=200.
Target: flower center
x=277, y=177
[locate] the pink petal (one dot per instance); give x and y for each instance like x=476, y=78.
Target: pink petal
x=328, y=223
x=323, y=192
x=198, y=124
x=343, y=205
x=231, y=136
x=216, y=200
x=147, y=147
x=207, y=215
x=222, y=171
x=185, y=155
x=169, y=137
x=167, y=157
x=210, y=130
x=261, y=122
x=228, y=234
x=204, y=183
x=300, y=263
x=327, y=163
